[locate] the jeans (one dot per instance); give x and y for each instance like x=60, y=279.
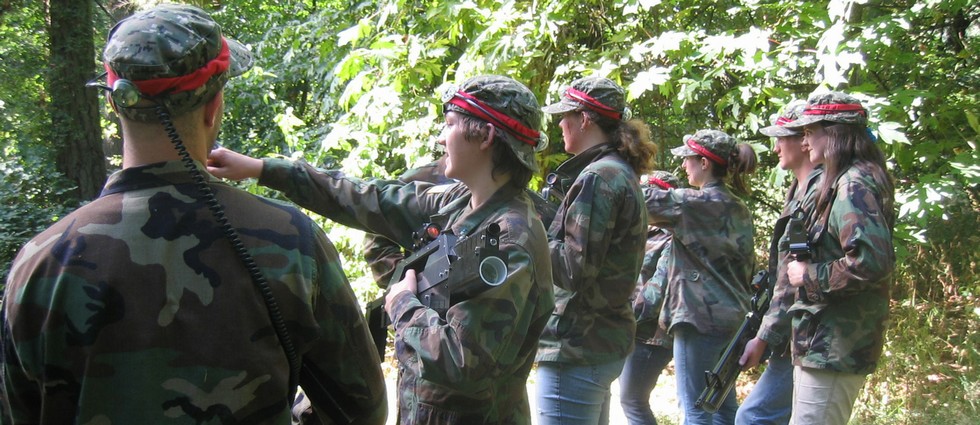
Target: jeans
x=695, y=353
x=572, y=394
x=638, y=379
x=824, y=397
x=771, y=400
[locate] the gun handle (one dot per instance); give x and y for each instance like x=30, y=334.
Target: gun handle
x=378, y=321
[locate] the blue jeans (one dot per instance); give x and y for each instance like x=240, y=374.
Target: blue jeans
x=638, y=379
x=695, y=353
x=771, y=400
x=573, y=394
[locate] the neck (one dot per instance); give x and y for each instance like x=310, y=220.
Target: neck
x=149, y=143
x=803, y=171
x=482, y=190
x=593, y=137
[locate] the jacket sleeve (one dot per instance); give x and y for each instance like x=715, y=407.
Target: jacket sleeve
x=858, y=222
x=580, y=241
x=384, y=207
x=777, y=322
x=342, y=369
x=468, y=348
x=664, y=207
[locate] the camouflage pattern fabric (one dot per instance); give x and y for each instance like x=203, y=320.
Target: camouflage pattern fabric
x=840, y=326
x=826, y=107
x=597, y=241
x=471, y=366
x=169, y=41
x=135, y=309
x=380, y=253
x=777, y=324
x=712, y=259
x=650, y=289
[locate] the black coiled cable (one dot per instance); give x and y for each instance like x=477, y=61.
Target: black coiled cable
x=232, y=235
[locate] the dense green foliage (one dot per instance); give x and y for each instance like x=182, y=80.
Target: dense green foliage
x=355, y=86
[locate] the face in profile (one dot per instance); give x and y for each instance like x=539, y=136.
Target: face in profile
x=461, y=154
x=791, y=152
x=571, y=124
x=816, y=139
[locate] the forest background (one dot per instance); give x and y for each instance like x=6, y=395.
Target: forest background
x=354, y=86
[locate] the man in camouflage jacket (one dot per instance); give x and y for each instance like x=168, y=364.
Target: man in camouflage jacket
x=770, y=402
x=470, y=365
x=136, y=308
x=841, y=311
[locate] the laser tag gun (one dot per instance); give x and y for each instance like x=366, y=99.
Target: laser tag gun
x=376, y=317
x=553, y=191
x=721, y=379
x=450, y=270
x=799, y=241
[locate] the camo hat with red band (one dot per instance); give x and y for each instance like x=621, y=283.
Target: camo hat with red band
x=597, y=94
x=174, y=54
x=507, y=104
x=662, y=179
x=792, y=112
x=832, y=107
x=712, y=144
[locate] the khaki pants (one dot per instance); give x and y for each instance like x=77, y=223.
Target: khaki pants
x=822, y=397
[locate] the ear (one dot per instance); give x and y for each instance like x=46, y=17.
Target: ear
x=212, y=109
x=491, y=133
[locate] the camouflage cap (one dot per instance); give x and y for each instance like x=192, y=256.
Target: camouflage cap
x=507, y=104
x=832, y=107
x=597, y=94
x=791, y=112
x=712, y=144
x=175, y=54
x=661, y=179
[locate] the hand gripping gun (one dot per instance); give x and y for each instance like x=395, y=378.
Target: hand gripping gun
x=451, y=270
x=448, y=270
x=721, y=379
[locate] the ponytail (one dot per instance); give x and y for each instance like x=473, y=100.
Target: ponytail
x=741, y=162
x=631, y=139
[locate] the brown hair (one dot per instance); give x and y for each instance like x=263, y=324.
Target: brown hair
x=631, y=138
x=849, y=144
x=741, y=161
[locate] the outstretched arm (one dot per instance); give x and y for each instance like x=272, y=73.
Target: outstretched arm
x=228, y=164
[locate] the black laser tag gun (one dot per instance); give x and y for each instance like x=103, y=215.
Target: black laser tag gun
x=799, y=242
x=721, y=379
x=450, y=270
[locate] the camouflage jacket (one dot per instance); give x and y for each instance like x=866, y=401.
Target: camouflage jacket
x=380, y=253
x=777, y=324
x=135, y=309
x=650, y=288
x=597, y=240
x=840, y=324
x=712, y=259
x=470, y=366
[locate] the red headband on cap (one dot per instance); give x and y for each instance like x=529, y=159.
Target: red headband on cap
x=781, y=121
x=831, y=108
x=593, y=104
x=701, y=150
x=481, y=110
x=658, y=182
x=184, y=82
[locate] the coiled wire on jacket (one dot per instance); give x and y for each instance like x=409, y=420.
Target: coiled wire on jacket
x=232, y=235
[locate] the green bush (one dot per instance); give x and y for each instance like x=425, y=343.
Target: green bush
x=32, y=197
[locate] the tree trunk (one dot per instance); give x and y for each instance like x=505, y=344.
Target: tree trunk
x=74, y=107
